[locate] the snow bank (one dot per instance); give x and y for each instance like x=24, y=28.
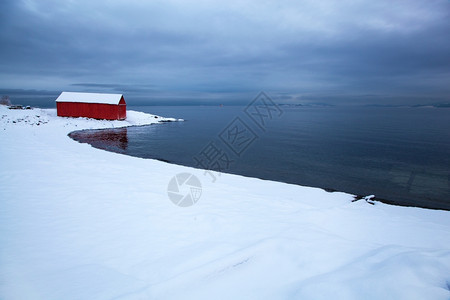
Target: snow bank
x=81, y=223
x=35, y=117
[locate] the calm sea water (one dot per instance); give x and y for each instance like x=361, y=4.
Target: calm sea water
x=401, y=155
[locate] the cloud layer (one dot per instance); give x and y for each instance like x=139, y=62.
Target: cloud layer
x=348, y=51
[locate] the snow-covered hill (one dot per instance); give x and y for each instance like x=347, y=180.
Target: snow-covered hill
x=82, y=223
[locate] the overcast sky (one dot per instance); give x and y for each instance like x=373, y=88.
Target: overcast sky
x=227, y=51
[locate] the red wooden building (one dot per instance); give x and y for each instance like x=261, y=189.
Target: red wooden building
x=91, y=105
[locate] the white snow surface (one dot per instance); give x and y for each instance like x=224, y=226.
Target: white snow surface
x=81, y=223
x=89, y=98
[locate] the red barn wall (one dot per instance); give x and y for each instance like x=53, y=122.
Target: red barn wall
x=92, y=110
x=122, y=109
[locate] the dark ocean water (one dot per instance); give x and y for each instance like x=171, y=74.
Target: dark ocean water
x=401, y=155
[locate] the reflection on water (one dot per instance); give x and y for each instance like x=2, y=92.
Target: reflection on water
x=115, y=140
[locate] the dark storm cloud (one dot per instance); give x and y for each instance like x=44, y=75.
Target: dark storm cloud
x=122, y=88
x=374, y=60
x=296, y=50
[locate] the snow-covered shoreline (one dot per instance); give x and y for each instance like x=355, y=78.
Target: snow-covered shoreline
x=77, y=222
x=38, y=116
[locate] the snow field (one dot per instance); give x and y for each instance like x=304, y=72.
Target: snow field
x=82, y=223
